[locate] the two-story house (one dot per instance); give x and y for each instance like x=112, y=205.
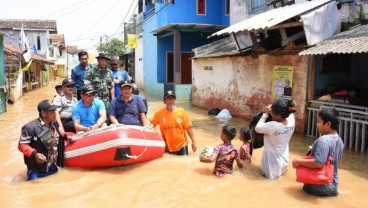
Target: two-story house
x=40, y=70
x=170, y=30
x=58, y=54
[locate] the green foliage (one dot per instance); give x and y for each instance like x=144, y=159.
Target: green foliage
x=361, y=20
x=112, y=47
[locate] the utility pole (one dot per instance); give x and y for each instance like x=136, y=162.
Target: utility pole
x=100, y=41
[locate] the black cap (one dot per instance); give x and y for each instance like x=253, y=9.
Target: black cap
x=169, y=94
x=67, y=81
x=125, y=83
x=88, y=89
x=46, y=106
x=102, y=55
x=58, y=86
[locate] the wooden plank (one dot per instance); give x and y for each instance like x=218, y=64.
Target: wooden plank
x=285, y=25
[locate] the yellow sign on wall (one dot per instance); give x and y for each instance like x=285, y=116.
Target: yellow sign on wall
x=282, y=82
x=132, y=41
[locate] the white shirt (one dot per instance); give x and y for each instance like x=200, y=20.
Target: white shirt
x=275, y=155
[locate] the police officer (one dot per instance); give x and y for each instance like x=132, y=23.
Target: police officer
x=64, y=101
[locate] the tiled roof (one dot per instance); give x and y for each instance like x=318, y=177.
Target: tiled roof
x=57, y=38
x=72, y=49
x=13, y=49
x=28, y=24
x=351, y=41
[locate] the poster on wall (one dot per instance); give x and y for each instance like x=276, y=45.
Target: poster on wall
x=282, y=82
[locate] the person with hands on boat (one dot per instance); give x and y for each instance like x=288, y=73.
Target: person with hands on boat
x=90, y=112
x=65, y=101
x=39, y=142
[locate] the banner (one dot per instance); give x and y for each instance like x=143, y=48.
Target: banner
x=24, y=46
x=132, y=41
x=282, y=82
x=27, y=66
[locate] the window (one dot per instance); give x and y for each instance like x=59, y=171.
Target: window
x=336, y=63
x=257, y=6
x=169, y=1
x=201, y=6
x=227, y=7
x=38, y=43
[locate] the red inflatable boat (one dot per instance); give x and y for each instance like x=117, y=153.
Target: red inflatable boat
x=114, y=146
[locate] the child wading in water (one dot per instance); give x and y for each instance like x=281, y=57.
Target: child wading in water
x=329, y=143
x=225, y=153
x=246, y=149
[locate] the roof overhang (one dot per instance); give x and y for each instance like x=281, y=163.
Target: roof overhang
x=271, y=18
x=169, y=29
x=348, y=42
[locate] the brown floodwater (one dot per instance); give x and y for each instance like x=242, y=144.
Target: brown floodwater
x=170, y=181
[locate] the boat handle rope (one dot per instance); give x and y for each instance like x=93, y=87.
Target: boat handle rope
x=145, y=148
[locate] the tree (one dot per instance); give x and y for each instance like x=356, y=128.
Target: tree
x=112, y=47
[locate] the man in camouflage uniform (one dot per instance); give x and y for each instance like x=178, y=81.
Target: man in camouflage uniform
x=101, y=78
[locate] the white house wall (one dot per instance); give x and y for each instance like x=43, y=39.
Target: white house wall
x=139, y=74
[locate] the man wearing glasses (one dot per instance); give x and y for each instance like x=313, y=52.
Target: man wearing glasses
x=90, y=112
x=118, y=74
x=64, y=101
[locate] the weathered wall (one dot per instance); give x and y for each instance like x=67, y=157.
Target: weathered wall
x=139, y=79
x=243, y=84
x=12, y=64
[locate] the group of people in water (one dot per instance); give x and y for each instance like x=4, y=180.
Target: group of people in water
x=275, y=157
x=98, y=96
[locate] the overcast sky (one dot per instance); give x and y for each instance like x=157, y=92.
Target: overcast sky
x=82, y=22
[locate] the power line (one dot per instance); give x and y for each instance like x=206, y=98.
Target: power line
x=148, y=18
x=129, y=18
x=122, y=22
x=68, y=7
x=75, y=40
x=93, y=24
x=80, y=39
x=74, y=9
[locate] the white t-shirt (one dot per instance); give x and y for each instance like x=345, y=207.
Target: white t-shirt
x=275, y=155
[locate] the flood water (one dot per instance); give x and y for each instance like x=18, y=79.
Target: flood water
x=171, y=181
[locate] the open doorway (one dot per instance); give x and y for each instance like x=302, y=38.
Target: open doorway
x=186, y=68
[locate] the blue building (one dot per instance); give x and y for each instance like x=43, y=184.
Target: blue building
x=171, y=29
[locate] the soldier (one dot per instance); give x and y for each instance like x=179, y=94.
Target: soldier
x=101, y=78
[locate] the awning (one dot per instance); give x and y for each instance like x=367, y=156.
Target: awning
x=169, y=29
x=268, y=19
x=348, y=42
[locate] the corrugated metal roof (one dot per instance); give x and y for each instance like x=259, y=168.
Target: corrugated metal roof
x=272, y=17
x=223, y=47
x=351, y=41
